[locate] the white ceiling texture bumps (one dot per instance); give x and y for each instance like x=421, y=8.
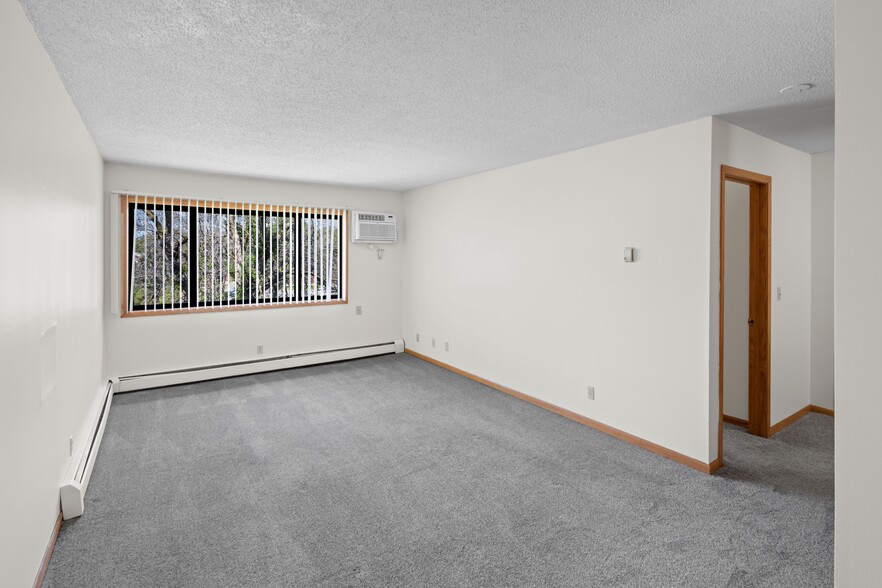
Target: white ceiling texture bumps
x=404, y=93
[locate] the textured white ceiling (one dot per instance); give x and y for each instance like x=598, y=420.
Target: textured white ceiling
x=404, y=93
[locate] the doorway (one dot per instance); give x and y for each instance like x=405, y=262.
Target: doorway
x=749, y=269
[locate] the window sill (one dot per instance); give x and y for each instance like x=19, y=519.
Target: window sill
x=231, y=308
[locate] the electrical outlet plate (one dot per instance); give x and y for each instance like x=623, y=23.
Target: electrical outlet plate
x=260, y=350
x=446, y=346
x=590, y=392
x=418, y=337
x=358, y=309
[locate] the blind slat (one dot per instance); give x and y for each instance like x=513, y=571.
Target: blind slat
x=144, y=260
x=161, y=215
x=271, y=261
x=290, y=253
x=213, y=236
x=130, y=247
x=171, y=251
x=328, y=233
x=315, y=254
x=225, y=279
x=180, y=253
x=154, y=253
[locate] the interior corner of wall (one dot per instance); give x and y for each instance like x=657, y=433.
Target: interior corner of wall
x=113, y=262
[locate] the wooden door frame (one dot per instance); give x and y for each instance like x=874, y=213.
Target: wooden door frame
x=759, y=394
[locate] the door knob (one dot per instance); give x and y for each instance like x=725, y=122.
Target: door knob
x=750, y=322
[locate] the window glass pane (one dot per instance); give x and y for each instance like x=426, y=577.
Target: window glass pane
x=241, y=255
x=160, y=257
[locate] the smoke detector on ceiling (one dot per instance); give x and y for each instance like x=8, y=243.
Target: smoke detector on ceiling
x=795, y=89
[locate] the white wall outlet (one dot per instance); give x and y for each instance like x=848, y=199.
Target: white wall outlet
x=358, y=310
x=433, y=342
x=70, y=446
x=590, y=392
x=260, y=350
x=779, y=292
x=418, y=337
x=446, y=346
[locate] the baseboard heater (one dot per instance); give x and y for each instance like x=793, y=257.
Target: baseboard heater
x=241, y=368
x=73, y=491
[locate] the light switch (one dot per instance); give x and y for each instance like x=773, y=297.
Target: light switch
x=779, y=292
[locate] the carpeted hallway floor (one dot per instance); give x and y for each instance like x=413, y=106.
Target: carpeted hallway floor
x=390, y=471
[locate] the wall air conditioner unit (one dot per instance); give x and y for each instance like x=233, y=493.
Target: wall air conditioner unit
x=373, y=227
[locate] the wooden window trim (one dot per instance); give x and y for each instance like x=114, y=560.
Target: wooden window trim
x=126, y=199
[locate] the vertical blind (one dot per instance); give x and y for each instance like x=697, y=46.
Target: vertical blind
x=188, y=254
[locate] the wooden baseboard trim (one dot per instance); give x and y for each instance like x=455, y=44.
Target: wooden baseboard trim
x=715, y=465
x=777, y=428
x=734, y=421
x=613, y=432
x=820, y=410
x=44, y=565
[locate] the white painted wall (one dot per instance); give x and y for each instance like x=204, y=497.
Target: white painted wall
x=50, y=259
x=858, y=282
x=138, y=345
x=737, y=302
x=521, y=270
x=791, y=260
x=822, y=280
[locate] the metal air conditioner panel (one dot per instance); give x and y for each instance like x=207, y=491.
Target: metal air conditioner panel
x=374, y=227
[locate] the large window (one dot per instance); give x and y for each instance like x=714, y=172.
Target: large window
x=186, y=255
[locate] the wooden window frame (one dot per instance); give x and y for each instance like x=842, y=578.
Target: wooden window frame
x=126, y=198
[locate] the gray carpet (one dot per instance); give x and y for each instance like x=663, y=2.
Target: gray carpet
x=390, y=471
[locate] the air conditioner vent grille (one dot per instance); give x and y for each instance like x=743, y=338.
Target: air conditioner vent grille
x=374, y=227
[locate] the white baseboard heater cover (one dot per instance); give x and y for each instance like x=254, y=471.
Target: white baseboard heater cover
x=241, y=368
x=73, y=491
